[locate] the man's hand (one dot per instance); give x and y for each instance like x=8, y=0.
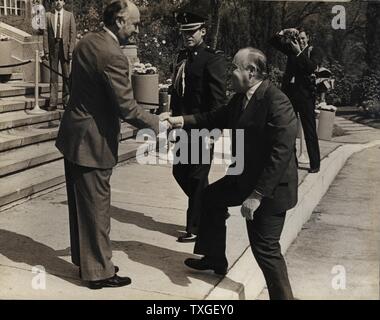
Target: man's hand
x=70, y=56
x=176, y=122
x=296, y=47
x=164, y=116
x=250, y=205
x=164, y=126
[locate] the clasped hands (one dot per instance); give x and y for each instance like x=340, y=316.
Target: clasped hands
x=171, y=122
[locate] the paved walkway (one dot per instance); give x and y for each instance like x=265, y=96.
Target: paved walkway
x=337, y=254
x=148, y=213
x=147, y=216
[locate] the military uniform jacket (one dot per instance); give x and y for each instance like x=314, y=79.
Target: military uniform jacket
x=203, y=87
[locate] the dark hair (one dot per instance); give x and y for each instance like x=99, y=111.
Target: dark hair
x=112, y=11
x=307, y=32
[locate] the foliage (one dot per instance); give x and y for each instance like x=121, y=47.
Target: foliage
x=349, y=53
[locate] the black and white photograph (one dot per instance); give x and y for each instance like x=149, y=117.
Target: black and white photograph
x=189, y=150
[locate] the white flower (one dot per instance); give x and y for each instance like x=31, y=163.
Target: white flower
x=163, y=41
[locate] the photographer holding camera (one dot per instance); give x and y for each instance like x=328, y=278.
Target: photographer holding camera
x=298, y=83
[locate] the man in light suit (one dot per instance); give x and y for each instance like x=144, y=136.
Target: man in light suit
x=101, y=95
x=266, y=188
x=59, y=42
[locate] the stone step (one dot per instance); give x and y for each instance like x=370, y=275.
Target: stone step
x=17, y=76
x=15, y=119
x=28, y=157
x=22, y=89
x=10, y=104
x=29, y=182
x=27, y=135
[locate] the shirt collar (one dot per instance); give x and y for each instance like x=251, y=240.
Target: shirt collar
x=252, y=91
x=111, y=34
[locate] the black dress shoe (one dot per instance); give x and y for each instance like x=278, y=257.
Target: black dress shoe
x=208, y=264
x=314, y=170
x=188, y=237
x=116, y=271
x=113, y=282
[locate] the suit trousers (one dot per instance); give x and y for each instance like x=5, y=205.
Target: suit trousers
x=304, y=108
x=88, y=195
x=57, y=56
x=193, y=179
x=264, y=233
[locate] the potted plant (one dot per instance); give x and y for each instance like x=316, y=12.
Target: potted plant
x=5, y=57
x=145, y=85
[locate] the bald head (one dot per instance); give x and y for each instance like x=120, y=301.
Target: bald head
x=122, y=17
x=119, y=8
x=250, y=69
x=251, y=58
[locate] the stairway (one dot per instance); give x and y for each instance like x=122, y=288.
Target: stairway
x=29, y=161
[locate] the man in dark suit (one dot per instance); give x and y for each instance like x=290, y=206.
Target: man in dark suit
x=101, y=95
x=59, y=42
x=199, y=86
x=266, y=188
x=299, y=86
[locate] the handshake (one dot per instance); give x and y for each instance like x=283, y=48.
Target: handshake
x=171, y=122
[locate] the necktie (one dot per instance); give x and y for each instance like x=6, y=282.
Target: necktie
x=58, y=34
x=244, y=103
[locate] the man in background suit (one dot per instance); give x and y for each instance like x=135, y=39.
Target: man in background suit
x=199, y=86
x=266, y=188
x=101, y=95
x=298, y=85
x=59, y=42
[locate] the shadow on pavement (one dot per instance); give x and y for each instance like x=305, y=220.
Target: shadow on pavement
x=23, y=249
x=170, y=262
x=145, y=222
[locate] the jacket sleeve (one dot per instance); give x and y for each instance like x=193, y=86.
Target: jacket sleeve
x=119, y=88
x=309, y=65
x=282, y=133
x=279, y=42
x=73, y=34
x=217, y=118
x=216, y=81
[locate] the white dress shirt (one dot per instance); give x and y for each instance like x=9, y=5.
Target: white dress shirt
x=250, y=93
x=58, y=34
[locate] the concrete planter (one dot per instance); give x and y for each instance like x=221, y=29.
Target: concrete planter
x=326, y=124
x=5, y=58
x=145, y=88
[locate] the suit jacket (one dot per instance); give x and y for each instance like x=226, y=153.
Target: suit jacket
x=301, y=67
x=68, y=33
x=101, y=95
x=270, y=130
x=205, y=81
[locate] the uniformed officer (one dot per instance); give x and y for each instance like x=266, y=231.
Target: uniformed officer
x=199, y=85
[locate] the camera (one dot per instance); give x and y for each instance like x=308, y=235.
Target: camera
x=291, y=35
